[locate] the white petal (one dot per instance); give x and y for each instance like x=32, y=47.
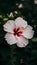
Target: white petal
x=30, y=26
x=8, y=27
x=22, y=42
x=20, y=22
x=10, y=38
x=28, y=32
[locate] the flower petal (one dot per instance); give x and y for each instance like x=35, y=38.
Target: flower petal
x=10, y=38
x=28, y=32
x=22, y=42
x=20, y=22
x=8, y=27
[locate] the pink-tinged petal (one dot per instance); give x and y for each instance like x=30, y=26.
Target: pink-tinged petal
x=10, y=38
x=8, y=27
x=22, y=42
x=20, y=22
x=28, y=32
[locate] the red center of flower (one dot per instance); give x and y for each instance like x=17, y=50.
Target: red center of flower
x=17, y=31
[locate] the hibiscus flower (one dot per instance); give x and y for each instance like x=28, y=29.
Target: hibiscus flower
x=18, y=32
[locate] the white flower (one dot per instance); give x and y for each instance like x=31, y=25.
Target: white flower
x=20, y=5
x=35, y=1
x=18, y=32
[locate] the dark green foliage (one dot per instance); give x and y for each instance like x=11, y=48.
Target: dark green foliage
x=13, y=55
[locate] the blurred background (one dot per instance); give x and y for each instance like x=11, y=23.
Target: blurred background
x=13, y=55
